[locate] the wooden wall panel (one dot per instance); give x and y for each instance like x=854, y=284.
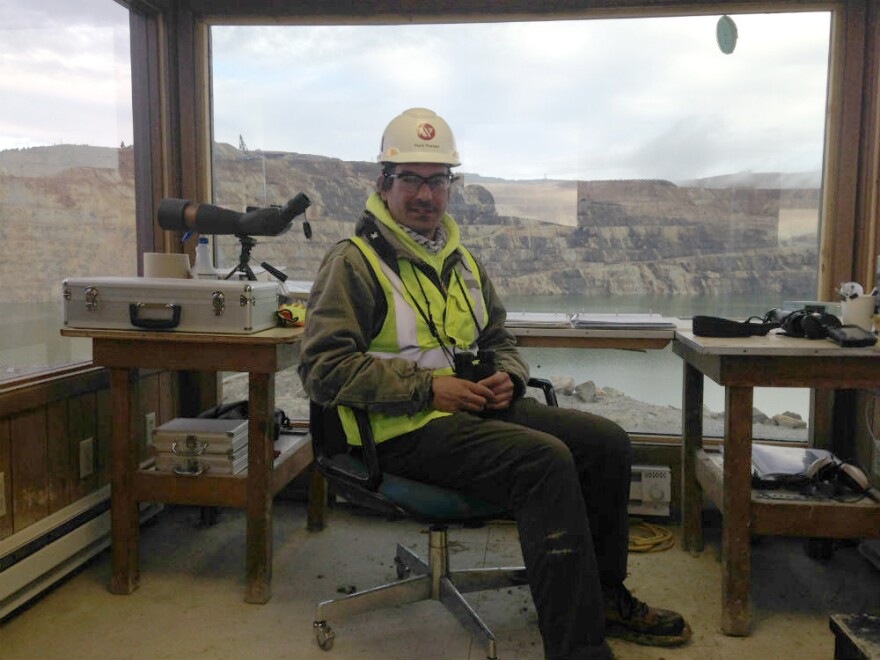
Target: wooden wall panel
x=167, y=397
x=27, y=435
x=41, y=428
x=149, y=402
x=102, y=437
x=59, y=476
x=82, y=425
x=6, y=480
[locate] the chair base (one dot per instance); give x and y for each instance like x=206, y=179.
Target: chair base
x=431, y=581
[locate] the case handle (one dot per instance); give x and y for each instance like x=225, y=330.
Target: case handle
x=192, y=469
x=154, y=324
x=191, y=449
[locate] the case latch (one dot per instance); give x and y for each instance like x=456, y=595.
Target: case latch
x=218, y=303
x=193, y=447
x=91, y=298
x=247, y=297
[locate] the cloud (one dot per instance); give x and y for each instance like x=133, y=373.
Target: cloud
x=604, y=98
x=18, y=15
x=64, y=73
x=589, y=99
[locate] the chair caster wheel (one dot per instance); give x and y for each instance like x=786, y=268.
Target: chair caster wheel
x=324, y=635
x=403, y=571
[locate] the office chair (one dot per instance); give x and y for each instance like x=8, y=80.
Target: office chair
x=361, y=481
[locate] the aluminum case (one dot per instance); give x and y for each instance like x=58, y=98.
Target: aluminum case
x=194, y=446
x=169, y=304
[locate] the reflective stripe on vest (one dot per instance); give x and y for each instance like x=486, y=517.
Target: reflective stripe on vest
x=405, y=333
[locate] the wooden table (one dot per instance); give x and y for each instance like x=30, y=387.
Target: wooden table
x=741, y=365
x=635, y=340
x=261, y=355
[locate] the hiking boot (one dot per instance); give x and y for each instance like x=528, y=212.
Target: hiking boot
x=626, y=617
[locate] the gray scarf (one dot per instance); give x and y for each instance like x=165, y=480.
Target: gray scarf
x=432, y=247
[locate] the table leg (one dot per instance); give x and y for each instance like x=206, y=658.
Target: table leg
x=692, y=440
x=124, y=530
x=261, y=422
x=317, y=501
x=737, y=498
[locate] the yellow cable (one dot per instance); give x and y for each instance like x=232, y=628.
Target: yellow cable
x=648, y=537
x=643, y=536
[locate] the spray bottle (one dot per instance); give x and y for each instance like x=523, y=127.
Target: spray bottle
x=204, y=266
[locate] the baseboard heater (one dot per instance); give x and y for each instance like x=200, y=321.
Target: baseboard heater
x=650, y=490
x=34, y=559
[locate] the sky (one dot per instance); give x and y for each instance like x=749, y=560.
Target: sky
x=64, y=73
x=600, y=99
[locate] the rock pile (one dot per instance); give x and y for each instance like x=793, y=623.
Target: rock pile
x=635, y=416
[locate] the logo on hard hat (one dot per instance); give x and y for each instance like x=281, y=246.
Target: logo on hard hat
x=426, y=131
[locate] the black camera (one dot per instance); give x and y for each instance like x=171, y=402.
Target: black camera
x=802, y=323
x=475, y=366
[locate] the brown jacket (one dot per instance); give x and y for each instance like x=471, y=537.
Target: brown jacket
x=346, y=308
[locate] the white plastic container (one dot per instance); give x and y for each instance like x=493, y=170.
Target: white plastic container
x=204, y=266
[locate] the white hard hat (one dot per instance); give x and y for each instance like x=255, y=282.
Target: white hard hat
x=418, y=135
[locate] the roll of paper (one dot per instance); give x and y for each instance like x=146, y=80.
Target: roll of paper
x=859, y=311
x=162, y=264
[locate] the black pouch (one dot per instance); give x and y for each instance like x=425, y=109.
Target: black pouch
x=714, y=326
x=239, y=410
x=851, y=335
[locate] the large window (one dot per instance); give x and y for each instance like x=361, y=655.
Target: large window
x=613, y=164
x=66, y=169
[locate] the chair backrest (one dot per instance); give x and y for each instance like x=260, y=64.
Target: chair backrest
x=358, y=476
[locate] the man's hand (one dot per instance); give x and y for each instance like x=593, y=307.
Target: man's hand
x=453, y=394
x=502, y=390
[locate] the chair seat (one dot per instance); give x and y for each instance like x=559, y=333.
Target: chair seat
x=421, y=499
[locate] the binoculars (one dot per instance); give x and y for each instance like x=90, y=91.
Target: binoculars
x=475, y=366
x=801, y=323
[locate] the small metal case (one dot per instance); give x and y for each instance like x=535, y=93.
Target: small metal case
x=194, y=446
x=169, y=304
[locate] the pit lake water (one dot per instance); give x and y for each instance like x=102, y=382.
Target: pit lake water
x=30, y=341
x=654, y=376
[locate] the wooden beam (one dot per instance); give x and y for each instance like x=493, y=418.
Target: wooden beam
x=869, y=148
x=450, y=11
x=841, y=168
x=5, y=481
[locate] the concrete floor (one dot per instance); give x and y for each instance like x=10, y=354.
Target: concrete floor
x=189, y=604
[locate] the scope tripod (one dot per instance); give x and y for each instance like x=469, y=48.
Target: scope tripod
x=244, y=258
x=244, y=261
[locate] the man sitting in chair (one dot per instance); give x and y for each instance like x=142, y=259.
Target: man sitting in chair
x=404, y=322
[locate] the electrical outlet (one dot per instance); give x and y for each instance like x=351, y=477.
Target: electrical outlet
x=2, y=494
x=86, y=457
x=149, y=427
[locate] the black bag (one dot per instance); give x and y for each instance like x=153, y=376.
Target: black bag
x=239, y=410
x=714, y=326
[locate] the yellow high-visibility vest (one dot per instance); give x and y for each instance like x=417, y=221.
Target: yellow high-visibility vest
x=412, y=298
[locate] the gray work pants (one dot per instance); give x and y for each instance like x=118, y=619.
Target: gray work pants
x=564, y=474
